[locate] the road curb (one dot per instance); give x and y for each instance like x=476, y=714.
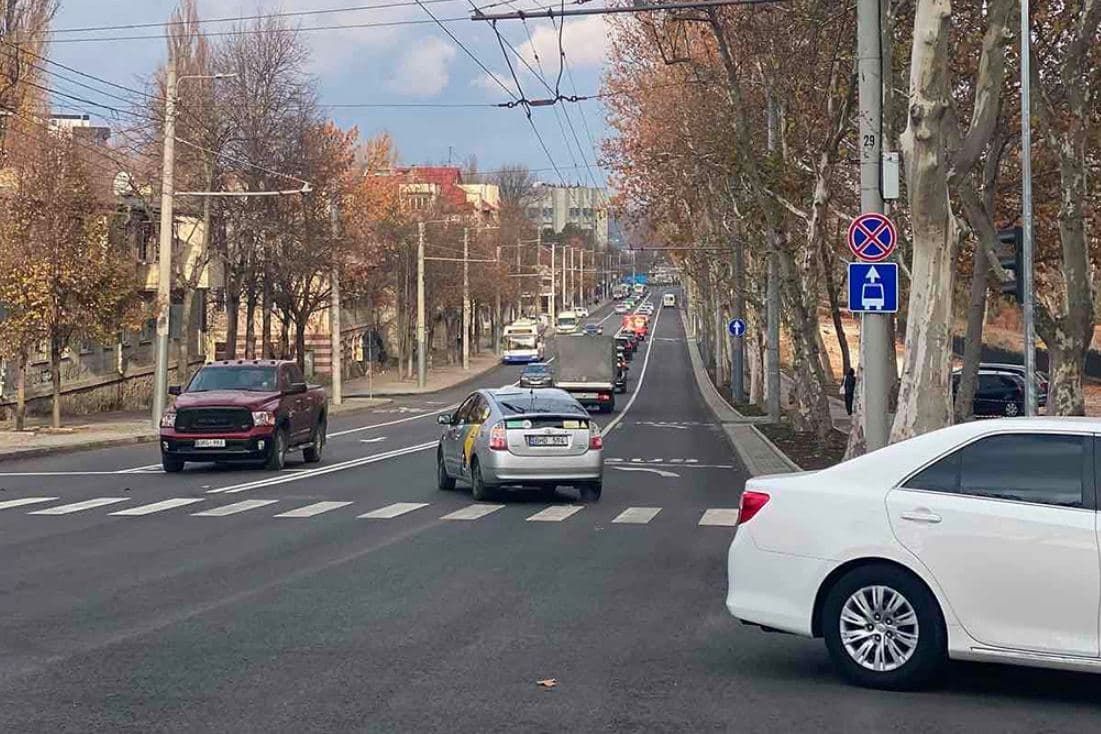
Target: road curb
x=106, y=443
x=765, y=457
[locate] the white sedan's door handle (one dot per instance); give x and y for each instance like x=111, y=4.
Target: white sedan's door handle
x=921, y=516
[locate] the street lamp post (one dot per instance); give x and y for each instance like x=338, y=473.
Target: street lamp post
x=164, y=249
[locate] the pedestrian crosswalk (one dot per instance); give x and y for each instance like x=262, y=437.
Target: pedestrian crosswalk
x=315, y=509
x=554, y=513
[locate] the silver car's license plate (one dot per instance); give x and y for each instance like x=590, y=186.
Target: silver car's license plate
x=210, y=443
x=587, y=396
x=548, y=440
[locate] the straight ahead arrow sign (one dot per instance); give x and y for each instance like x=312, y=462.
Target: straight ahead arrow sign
x=872, y=276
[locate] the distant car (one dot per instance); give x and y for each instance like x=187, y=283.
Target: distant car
x=974, y=542
x=524, y=438
x=622, y=307
x=1019, y=369
x=537, y=374
x=1000, y=392
x=593, y=329
x=669, y=300
x=582, y=312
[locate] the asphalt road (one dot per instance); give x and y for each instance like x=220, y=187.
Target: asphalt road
x=245, y=620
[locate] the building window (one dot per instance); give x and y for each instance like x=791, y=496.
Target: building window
x=148, y=329
x=574, y=212
x=548, y=212
x=589, y=213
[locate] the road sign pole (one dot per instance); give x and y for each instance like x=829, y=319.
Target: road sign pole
x=874, y=331
x=1026, y=214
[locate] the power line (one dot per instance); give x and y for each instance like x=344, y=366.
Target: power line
x=255, y=31
x=466, y=50
x=77, y=71
x=242, y=161
x=280, y=14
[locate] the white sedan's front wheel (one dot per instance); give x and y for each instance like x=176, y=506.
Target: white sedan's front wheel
x=883, y=628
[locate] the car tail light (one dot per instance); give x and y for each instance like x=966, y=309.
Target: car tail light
x=751, y=504
x=604, y=397
x=498, y=440
x=596, y=441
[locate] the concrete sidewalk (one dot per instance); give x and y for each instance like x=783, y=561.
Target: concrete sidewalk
x=389, y=383
x=105, y=430
x=758, y=454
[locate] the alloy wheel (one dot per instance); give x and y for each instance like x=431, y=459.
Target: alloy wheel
x=879, y=628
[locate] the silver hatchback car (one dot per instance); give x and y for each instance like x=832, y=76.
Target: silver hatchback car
x=521, y=437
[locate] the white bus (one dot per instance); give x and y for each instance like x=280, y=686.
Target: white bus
x=523, y=342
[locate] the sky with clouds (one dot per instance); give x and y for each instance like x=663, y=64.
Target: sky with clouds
x=413, y=63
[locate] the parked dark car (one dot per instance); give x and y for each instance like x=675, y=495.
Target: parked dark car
x=244, y=410
x=537, y=374
x=1001, y=391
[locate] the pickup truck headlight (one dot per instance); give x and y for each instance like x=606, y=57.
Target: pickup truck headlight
x=263, y=418
x=168, y=419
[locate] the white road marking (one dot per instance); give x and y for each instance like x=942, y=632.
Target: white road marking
x=394, y=510
x=555, y=513
x=637, y=515
x=350, y=464
x=676, y=461
x=80, y=506
x=315, y=509
x=726, y=518
x=659, y=472
x=372, y=440
x=641, y=377
x=613, y=461
x=157, y=507
x=62, y=473
x=8, y=504
x=691, y=461
x=137, y=469
x=243, y=506
x=472, y=512
x=335, y=434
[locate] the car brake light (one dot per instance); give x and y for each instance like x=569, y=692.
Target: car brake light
x=604, y=397
x=498, y=441
x=751, y=504
x=596, y=441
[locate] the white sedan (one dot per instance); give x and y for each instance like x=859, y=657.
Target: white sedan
x=975, y=542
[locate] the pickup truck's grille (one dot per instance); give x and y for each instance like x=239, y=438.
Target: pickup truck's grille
x=213, y=420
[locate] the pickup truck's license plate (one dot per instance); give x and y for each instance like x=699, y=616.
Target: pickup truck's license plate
x=548, y=440
x=588, y=395
x=210, y=443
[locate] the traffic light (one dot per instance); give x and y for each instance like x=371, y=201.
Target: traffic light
x=1011, y=257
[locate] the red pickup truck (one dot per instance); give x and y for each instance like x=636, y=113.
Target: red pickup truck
x=244, y=410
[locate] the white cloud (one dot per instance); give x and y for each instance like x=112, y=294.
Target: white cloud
x=585, y=42
x=492, y=84
x=424, y=68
